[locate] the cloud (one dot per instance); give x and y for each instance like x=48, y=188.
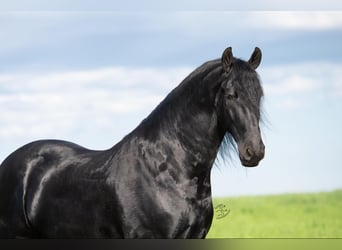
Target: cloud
x=45, y=103
x=295, y=85
x=303, y=77
x=297, y=20
x=109, y=77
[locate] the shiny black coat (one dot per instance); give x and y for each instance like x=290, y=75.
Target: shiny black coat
x=155, y=183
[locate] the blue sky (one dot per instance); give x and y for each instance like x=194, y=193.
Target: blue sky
x=91, y=76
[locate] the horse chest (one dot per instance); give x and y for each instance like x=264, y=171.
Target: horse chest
x=181, y=220
x=170, y=210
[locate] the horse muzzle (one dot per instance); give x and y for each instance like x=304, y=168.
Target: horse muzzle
x=251, y=156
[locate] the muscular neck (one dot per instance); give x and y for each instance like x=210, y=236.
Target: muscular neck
x=187, y=122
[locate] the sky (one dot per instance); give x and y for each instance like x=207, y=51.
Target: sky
x=91, y=76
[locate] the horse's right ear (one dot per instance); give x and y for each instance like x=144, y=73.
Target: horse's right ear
x=227, y=59
x=255, y=59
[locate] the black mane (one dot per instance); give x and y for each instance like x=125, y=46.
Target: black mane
x=192, y=87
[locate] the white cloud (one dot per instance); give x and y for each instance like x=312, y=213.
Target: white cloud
x=292, y=86
x=337, y=84
x=213, y=22
x=42, y=104
x=115, y=77
x=299, y=20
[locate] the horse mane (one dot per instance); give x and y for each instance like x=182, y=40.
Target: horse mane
x=166, y=110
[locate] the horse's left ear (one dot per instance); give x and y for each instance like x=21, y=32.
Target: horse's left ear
x=227, y=59
x=255, y=59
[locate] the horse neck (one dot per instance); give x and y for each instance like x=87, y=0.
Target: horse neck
x=187, y=117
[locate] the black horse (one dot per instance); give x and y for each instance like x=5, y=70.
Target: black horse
x=155, y=183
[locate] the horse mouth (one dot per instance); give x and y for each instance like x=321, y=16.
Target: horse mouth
x=251, y=158
x=250, y=164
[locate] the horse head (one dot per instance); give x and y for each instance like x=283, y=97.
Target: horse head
x=238, y=104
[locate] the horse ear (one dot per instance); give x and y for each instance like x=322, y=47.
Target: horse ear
x=255, y=59
x=227, y=59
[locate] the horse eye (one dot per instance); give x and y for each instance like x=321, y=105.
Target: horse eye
x=233, y=95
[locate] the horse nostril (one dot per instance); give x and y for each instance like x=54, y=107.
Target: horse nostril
x=249, y=153
x=251, y=156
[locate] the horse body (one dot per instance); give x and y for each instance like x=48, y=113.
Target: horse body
x=155, y=183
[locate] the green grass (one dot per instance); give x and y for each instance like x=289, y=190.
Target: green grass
x=317, y=215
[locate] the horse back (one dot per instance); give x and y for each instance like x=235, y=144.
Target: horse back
x=40, y=178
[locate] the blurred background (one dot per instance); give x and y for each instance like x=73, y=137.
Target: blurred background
x=91, y=76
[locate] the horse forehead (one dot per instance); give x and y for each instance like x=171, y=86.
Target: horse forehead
x=248, y=81
x=248, y=84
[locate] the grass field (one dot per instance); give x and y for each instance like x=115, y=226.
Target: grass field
x=317, y=215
